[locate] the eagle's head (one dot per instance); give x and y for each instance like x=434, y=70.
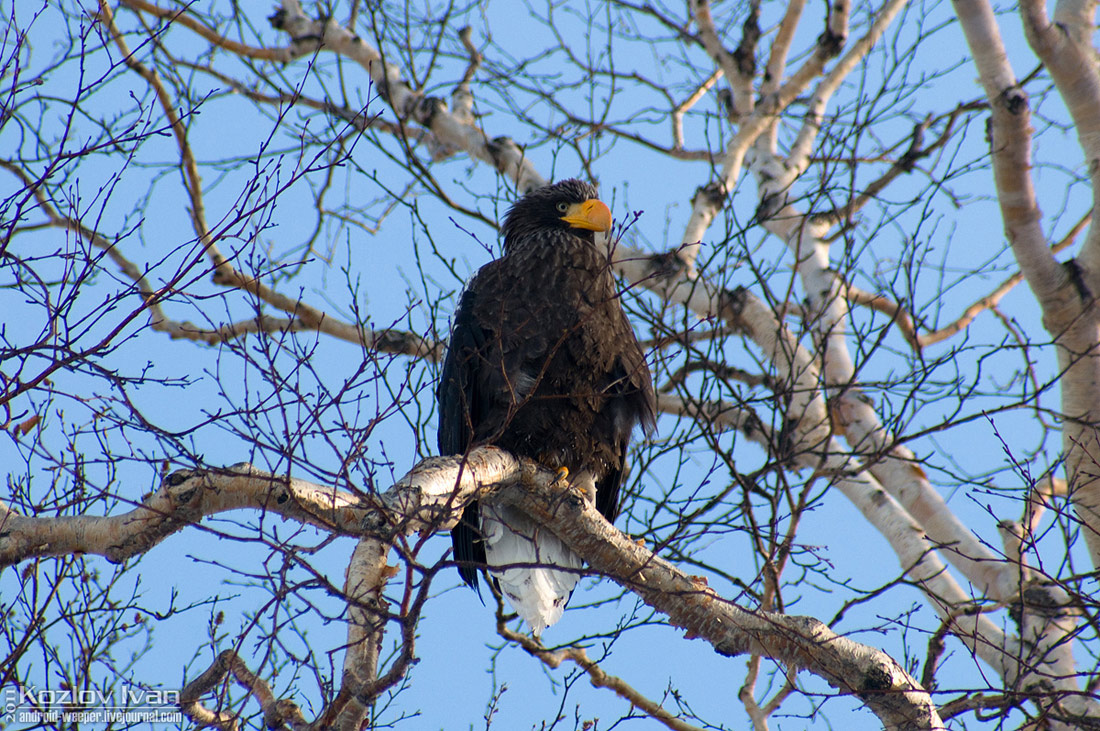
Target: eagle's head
x=571, y=205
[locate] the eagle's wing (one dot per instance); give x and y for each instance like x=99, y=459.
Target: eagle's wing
x=505, y=346
x=462, y=404
x=632, y=400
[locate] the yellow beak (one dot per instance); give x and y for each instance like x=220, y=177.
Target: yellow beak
x=592, y=215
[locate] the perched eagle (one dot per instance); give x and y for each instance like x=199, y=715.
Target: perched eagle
x=543, y=363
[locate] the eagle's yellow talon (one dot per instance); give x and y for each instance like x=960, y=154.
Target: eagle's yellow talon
x=562, y=475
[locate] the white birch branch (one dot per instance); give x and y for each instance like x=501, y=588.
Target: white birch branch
x=1066, y=49
x=709, y=199
x=1069, y=308
x=430, y=498
x=367, y=609
x=813, y=446
x=310, y=36
x=1045, y=642
x=685, y=288
x=798, y=642
x=423, y=499
x=738, y=67
x=798, y=158
x=1011, y=149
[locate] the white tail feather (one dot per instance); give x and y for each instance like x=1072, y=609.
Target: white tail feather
x=539, y=593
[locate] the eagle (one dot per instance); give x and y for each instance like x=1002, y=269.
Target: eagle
x=543, y=363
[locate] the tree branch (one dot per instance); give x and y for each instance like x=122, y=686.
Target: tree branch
x=596, y=675
x=430, y=498
x=800, y=642
x=277, y=712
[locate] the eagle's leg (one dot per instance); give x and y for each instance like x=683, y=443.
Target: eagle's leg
x=585, y=484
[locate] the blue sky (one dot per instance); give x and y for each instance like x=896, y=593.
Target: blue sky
x=407, y=275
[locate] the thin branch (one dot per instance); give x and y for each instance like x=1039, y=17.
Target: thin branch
x=596, y=675
x=191, y=177
x=992, y=299
x=678, y=112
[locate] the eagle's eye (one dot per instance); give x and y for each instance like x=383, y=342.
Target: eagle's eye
x=562, y=206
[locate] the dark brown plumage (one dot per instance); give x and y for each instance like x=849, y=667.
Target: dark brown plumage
x=542, y=362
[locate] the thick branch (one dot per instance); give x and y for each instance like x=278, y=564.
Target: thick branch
x=738, y=67
x=1069, y=308
x=309, y=36
x=1011, y=135
x=367, y=610
x=1066, y=49
x=429, y=498
x=800, y=642
x=277, y=712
